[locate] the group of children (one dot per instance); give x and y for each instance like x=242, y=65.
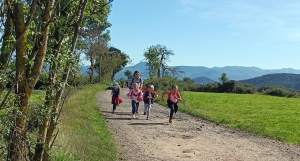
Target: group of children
x=136, y=94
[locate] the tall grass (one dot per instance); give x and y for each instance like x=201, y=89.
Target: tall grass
x=84, y=134
x=275, y=117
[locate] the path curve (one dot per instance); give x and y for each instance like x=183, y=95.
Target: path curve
x=188, y=138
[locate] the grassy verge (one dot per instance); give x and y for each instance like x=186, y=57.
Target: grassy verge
x=275, y=117
x=84, y=134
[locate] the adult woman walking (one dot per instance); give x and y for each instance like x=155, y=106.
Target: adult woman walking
x=136, y=79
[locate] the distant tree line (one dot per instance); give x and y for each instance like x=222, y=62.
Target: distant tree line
x=224, y=86
x=232, y=86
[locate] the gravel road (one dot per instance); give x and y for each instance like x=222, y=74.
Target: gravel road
x=188, y=138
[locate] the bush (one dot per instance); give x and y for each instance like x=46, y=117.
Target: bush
x=281, y=92
x=244, y=89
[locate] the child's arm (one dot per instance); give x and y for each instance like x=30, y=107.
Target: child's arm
x=144, y=96
x=179, y=97
x=162, y=96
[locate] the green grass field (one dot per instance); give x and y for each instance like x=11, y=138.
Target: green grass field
x=275, y=117
x=84, y=134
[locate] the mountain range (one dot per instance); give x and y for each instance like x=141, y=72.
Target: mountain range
x=286, y=80
x=201, y=74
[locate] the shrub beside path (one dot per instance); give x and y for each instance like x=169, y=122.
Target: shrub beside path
x=188, y=138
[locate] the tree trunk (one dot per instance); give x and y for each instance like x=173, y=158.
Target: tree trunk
x=39, y=149
x=158, y=72
x=163, y=68
x=160, y=64
x=16, y=146
x=7, y=47
x=51, y=128
x=92, y=69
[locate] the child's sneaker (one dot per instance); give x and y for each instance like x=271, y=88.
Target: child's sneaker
x=170, y=121
x=133, y=116
x=147, y=118
x=113, y=111
x=144, y=113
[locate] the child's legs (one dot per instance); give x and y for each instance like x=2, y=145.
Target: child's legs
x=133, y=104
x=170, y=105
x=148, y=110
x=175, y=107
x=145, y=107
x=137, y=106
x=115, y=104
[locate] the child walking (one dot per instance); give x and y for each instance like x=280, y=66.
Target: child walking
x=115, y=99
x=148, y=99
x=136, y=96
x=173, y=98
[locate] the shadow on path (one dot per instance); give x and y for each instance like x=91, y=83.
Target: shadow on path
x=149, y=124
x=118, y=118
x=121, y=113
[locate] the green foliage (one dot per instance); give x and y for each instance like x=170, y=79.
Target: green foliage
x=50, y=31
x=228, y=86
x=112, y=62
x=42, y=81
x=244, y=89
x=282, y=92
x=119, y=60
x=165, y=83
x=78, y=80
x=223, y=78
x=157, y=57
x=35, y=116
x=128, y=74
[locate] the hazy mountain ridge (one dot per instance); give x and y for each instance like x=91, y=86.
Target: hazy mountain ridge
x=286, y=80
x=203, y=80
x=233, y=72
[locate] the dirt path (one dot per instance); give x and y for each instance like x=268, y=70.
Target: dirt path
x=187, y=138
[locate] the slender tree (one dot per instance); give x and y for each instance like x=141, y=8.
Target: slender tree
x=112, y=61
x=157, y=57
x=120, y=60
x=97, y=40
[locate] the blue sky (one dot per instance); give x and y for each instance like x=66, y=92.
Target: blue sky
x=261, y=33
